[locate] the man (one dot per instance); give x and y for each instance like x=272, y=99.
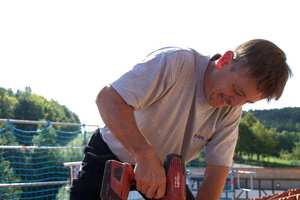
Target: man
x=179, y=101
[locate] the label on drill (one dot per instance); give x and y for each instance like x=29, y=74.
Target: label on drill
x=177, y=181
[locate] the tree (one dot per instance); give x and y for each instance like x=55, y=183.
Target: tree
x=7, y=104
x=30, y=107
x=280, y=119
x=7, y=175
x=262, y=140
x=249, y=119
x=245, y=140
x=7, y=172
x=25, y=105
x=286, y=140
x=296, y=149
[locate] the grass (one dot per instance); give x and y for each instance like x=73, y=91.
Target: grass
x=270, y=162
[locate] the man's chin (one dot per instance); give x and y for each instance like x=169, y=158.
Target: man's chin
x=217, y=104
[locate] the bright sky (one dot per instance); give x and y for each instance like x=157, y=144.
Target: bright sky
x=68, y=50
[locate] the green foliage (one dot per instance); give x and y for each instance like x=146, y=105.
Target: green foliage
x=271, y=161
x=273, y=132
x=62, y=193
x=27, y=106
x=285, y=119
x=287, y=140
x=7, y=175
x=255, y=138
x=285, y=155
x=8, y=103
x=245, y=135
x=7, y=172
x=283, y=126
x=296, y=149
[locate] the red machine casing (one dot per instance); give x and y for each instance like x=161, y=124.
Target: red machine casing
x=119, y=178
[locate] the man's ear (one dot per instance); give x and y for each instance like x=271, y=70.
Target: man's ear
x=225, y=59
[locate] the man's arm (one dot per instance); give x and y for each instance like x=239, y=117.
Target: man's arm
x=119, y=118
x=213, y=183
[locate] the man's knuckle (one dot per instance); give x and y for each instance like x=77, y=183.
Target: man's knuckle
x=150, y=193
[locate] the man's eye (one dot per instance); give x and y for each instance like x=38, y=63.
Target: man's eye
x=236, y=92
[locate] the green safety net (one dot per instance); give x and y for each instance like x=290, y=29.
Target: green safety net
x=32, y=162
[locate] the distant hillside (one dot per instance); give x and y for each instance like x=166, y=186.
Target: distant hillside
x=282, y=119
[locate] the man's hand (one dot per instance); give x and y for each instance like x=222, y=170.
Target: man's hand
x=150, y=177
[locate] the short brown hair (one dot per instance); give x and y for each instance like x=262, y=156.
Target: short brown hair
x=267, y=65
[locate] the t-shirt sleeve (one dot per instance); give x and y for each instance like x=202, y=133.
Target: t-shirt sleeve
x=221, y=146
x=150, y=79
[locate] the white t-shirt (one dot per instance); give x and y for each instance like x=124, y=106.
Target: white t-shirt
x=166, y=92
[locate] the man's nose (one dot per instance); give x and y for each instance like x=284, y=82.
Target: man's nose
x=237, y=101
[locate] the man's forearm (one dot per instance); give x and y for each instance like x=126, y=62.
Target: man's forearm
x=213, y=183
x=119, y=118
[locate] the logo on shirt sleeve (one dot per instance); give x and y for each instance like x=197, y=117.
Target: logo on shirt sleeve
x=204, y=135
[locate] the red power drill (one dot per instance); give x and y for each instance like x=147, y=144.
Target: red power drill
x=119, y=178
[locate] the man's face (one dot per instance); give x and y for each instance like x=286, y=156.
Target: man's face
x=231, y=88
